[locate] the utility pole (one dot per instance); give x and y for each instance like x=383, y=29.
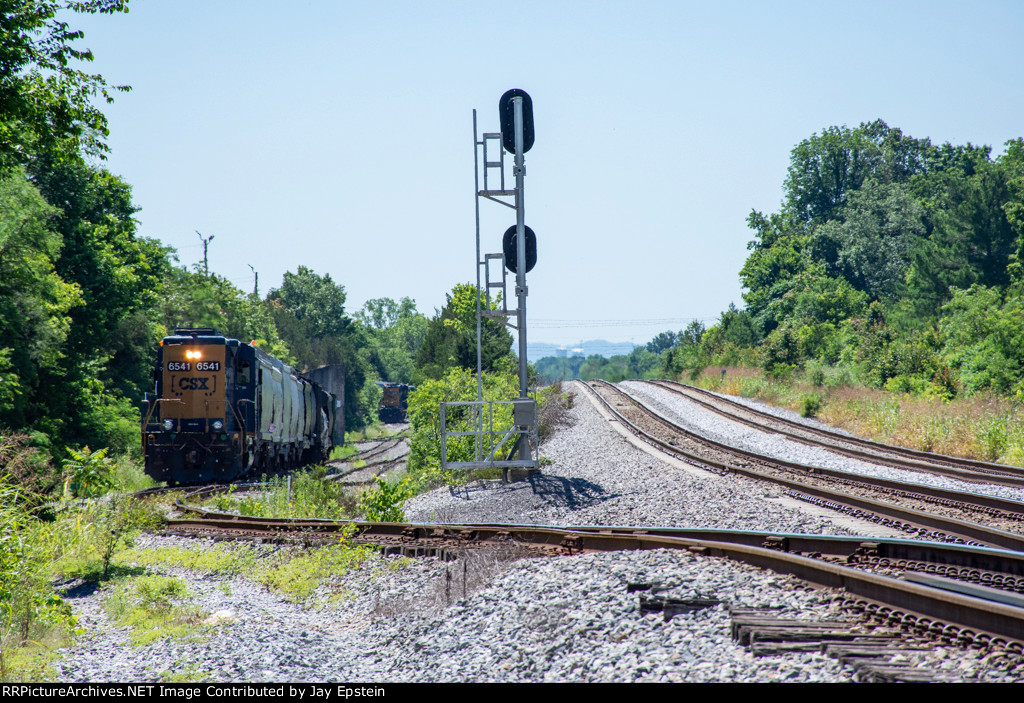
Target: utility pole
x=256, y=285
x=206, y=243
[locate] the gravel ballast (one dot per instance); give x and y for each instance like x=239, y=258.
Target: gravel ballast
x=535, y=619
x=691, y=416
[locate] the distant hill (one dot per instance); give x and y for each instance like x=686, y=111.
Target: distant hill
x=538, y=350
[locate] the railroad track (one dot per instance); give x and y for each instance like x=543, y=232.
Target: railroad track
x=922, y=591
x=970, y=596
x=373, y=469
x=960, y=468
x=373, y=452
x=914, y=509
x=375, y=463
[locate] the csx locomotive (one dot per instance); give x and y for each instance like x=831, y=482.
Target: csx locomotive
x=224, y=409
x=394, y=402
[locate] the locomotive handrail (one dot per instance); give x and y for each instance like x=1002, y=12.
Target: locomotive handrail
x=240, y=417
x=149, y=414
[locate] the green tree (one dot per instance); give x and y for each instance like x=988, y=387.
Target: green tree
x=738, y=327
x=309, y=312
x=196, y=299
x=688, y=353
x=118, y=272
x=825, y=168
x=642, y=363
x=46, y=99
x=382, y=313
x=1013, y=163
x=984, y=339
x=777, y=254
x=87, y=397
x=396, y=332
x=881, y=225
x=662, y=341
x=316, y=299
x=35, y=302
x=450, y=339
x=612, y=369
x=971, y=239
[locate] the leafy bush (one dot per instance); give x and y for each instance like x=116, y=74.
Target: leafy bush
x=87, y=473
x=810, y=404
x=383, y=503
x=457, y=384
x=816, y=375
x=26, y=463
x=31, y=612
x=305, y=495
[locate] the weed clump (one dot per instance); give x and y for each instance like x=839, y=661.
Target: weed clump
x=810, y=404
x=151, y=607
x=298, y=574
x=553, y=409
x=383, y=503
x=307, y=495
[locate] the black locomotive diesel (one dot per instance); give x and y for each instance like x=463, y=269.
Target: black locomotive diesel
x=224, y=409
x=394, y=403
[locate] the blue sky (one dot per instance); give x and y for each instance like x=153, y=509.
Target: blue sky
x=338, y=135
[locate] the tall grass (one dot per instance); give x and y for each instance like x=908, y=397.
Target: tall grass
x=305, y=495
x=982, y=426
x=34, y=619
x=45, y=538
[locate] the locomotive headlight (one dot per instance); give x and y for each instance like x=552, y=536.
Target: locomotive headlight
x=218, y=424
x=168, y=424
x=193, y=355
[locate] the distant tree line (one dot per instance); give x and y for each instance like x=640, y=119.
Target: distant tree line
x=897, y=260
x=891, y=257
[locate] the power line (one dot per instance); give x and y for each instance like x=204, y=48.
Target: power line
x=550, y=323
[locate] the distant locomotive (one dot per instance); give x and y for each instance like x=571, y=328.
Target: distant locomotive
x=394, y=404
x=224, y=409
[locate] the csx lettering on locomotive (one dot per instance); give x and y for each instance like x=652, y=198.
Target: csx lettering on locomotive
x=196, y=383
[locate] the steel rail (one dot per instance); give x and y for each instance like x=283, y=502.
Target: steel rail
x=975, y=618
x=914, y=459
x=837, y=546
x=1005, y=505
x=960, y=528
x=385, y=445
